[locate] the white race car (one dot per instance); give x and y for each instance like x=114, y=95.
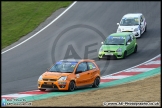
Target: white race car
x=133, y=22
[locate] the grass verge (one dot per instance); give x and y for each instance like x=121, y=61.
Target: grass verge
x=147, y=90
x=20, y=18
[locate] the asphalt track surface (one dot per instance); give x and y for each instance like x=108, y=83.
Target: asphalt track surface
x=80, y=26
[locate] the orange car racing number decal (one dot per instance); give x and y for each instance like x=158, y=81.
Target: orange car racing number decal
x=90, y=66
x=73, y=66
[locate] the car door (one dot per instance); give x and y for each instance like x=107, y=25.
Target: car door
x=142, y=24
x=129, y=44
x=92, y=69
x=133, y=42
x=144, y=21
x=82, y=74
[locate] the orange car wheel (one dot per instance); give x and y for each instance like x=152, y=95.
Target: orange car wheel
x=71, y=86
x=96, y=82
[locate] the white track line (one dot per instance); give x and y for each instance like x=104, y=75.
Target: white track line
x=117, y=77
x=53, y=22
x=17, y=95
x=103, y=77
x=139, y=69
x=154, y=62
x=41, y=29
x=134, y=66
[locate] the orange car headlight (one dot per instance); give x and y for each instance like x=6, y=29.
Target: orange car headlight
x=63, y=78
x=40, y=78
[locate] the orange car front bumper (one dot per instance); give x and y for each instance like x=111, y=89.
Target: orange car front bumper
x=57, y=85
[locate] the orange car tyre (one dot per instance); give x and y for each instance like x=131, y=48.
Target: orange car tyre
x=42, y=89
x=71, y=86
x=96, y=82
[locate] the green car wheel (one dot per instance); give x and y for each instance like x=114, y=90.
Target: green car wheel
x=125, y=54
x=135, y=49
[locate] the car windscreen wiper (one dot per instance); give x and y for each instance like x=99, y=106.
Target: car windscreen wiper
x=119, y=44
x=136, y=24
x=67, y=72
x=54, y=71
x=111, y=44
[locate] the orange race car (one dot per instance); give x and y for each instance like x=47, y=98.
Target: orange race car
x=70, y=74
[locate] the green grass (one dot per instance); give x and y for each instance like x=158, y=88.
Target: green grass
x=20, y=18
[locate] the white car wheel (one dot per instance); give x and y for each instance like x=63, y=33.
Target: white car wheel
x=145, y=28
x=140, y=33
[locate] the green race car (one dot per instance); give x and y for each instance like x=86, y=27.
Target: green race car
x=118, y=45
